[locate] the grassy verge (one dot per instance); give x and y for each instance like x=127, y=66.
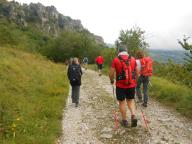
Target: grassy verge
x=33, y=93
x=175, y=95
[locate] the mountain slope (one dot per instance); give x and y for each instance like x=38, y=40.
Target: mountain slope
x=45, y=19
x=33, y=93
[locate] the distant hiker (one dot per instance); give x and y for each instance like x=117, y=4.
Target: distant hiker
x=66, y=62
x=74, y=75
x=99, y=61
x=85, y=62
x=70, y=61
x=126, y=71
x=145, y=73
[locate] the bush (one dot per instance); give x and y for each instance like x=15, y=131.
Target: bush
x=176, y=73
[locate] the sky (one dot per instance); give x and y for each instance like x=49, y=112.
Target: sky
x=164, y=21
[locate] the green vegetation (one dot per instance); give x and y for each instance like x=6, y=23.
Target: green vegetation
x=67, y=44
x=177, y=96
x=72, y=44
x=27, y=39
x=176, y=73
x=33, y=94
x=133, y=39
x=188, y=47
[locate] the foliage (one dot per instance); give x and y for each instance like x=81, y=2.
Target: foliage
x=175, y=95
x=72, y=44
x=27, y=39
x=176, y=73
x=188, y=47
x=133, y=39
x=33, y=94
x=67, y=44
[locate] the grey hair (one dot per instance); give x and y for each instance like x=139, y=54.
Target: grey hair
x=75, y=60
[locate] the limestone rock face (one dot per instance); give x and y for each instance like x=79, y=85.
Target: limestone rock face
x=46, y=18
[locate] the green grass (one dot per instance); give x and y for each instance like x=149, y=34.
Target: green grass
x=33, y=91
x=176, y=96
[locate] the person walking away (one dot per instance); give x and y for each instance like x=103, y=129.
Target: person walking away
x=145, y=74
x=125, y=68
x=85, y=62
x=66, y=62
x=74, y=75
x=99, y=61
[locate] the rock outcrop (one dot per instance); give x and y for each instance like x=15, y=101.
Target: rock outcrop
x=46, y=18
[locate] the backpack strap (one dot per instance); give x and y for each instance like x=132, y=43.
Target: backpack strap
x=126, y=61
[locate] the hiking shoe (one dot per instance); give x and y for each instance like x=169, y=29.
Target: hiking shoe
x=144, y=104
x=133, y=121
x=124, y=123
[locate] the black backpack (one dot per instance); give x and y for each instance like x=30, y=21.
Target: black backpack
x=74, y=74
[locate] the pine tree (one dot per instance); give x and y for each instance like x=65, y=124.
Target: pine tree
x=188, y=47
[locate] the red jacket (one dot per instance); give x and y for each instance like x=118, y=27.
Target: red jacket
x=99, y=60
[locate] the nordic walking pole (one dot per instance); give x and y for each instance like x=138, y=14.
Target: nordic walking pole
x=144, y=119
x=115, y=115
x=150, y=83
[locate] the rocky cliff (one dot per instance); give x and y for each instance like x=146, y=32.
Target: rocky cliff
x=45, y=19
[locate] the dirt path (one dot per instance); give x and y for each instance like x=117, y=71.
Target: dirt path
x=92, y=121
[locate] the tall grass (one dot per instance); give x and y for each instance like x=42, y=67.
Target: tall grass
x=33, y=91
x=177, y=96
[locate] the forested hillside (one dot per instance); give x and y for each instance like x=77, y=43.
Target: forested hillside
x=36, y=28
x=164, y=56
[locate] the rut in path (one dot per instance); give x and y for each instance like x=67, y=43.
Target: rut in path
x=92, y=121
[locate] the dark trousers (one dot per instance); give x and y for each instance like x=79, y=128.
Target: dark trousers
x=75, y=94
x=145, y=81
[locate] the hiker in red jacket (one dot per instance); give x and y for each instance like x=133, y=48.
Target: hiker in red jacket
x=145, y=73
x=99, y=61
x=126, y=71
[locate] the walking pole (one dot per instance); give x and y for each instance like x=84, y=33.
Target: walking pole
x=150, y=83
x=115, y=114
x=144, y=119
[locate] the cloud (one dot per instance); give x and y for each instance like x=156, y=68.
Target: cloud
x=164, y=21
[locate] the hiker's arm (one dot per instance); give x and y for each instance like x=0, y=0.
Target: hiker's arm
x=68, y=73
x=111, y=75
x=81, y=70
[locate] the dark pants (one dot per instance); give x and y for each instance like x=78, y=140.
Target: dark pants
x=99, y=66
x=145, y=81
x=75, y=94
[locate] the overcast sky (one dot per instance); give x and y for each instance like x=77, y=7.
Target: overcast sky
x=164, y=21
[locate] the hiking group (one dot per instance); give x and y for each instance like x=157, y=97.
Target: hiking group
x=127, y=73
x=130, y=74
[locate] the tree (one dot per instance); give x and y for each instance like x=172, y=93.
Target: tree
x=188, y=47
x=133, y=39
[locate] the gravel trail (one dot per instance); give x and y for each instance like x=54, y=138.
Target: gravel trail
x=92, y=122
